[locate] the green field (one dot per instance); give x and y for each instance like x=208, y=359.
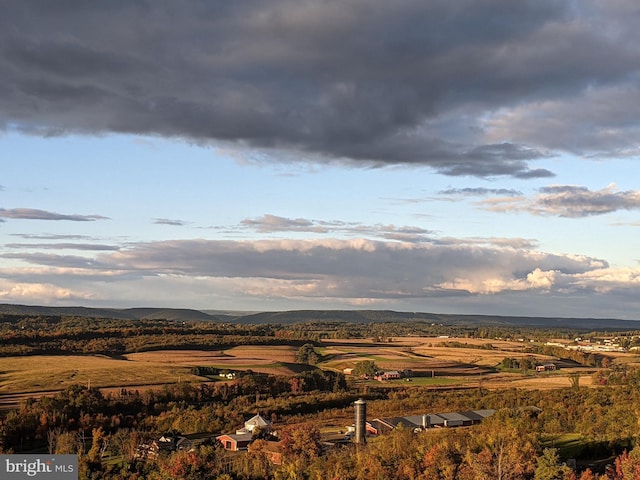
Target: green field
x=420, y=381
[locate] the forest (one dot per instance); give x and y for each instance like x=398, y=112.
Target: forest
x=575, y=432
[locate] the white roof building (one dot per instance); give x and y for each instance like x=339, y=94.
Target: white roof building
x=258, y=421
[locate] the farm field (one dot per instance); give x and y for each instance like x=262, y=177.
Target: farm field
x=45, y=373
x=430, y=359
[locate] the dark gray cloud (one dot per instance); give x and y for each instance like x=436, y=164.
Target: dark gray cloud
x=168, y=221
x=576, y=201
x=481, y=192
x=570, y=201
x=427, y=83
x=35, y=214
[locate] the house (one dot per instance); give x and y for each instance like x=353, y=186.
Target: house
x=168, y=442
x=347, y=371
x=546, y=367
x=147, y=451
x=235, y=441
x=384, y=376
x=257, y=421
x=173, y=441
x=184, y=443
x=371, y=428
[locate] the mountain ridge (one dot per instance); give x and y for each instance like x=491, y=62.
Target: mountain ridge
x=301, y=316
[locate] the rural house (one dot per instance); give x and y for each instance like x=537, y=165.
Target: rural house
x=235, y=441
x=546, y=367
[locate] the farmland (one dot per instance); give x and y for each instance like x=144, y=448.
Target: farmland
x=469, y=362
x=130, y=379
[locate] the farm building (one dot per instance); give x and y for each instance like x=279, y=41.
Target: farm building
x=546, y=367
x=257, y=421
x=235, y=441
x=167, y=443
x=243, y=437
x=433, y=420
x=392, y=375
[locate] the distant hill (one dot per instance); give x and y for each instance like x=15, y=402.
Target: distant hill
x=374, y=316
x=173, y=314
x=176, y=314
x=301, y=316
x=34, y=310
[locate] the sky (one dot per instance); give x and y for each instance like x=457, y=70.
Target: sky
x=449, y=156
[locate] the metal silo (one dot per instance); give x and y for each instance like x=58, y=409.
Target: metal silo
x=361, y=421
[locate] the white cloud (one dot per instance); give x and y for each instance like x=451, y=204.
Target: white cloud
x=40, y=293
x=313, y=270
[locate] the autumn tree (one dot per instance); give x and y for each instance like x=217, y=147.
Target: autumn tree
x=501, y=450
x=627, y=465
x=441, y=461
x=365, y=367
x=67, y=443
x=549, y=466
x=301, y=441
x=98, y=445
x=307, y=354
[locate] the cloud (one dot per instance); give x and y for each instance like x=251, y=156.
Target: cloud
x=481, y=192
x=34, y=214
x=495, y=275
x=273, y=224
x=63, y=246
x=48, y=293
x=511, y=242
x=166, y=221
x=49, y=236
x=599, y=122
x=569, y=201
x=449, y=85
x=346, y=267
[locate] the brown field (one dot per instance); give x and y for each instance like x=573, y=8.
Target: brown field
x=50, y=373
x=468, y=365
x=425, y=356
x=274, y=359
x=43, y=372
